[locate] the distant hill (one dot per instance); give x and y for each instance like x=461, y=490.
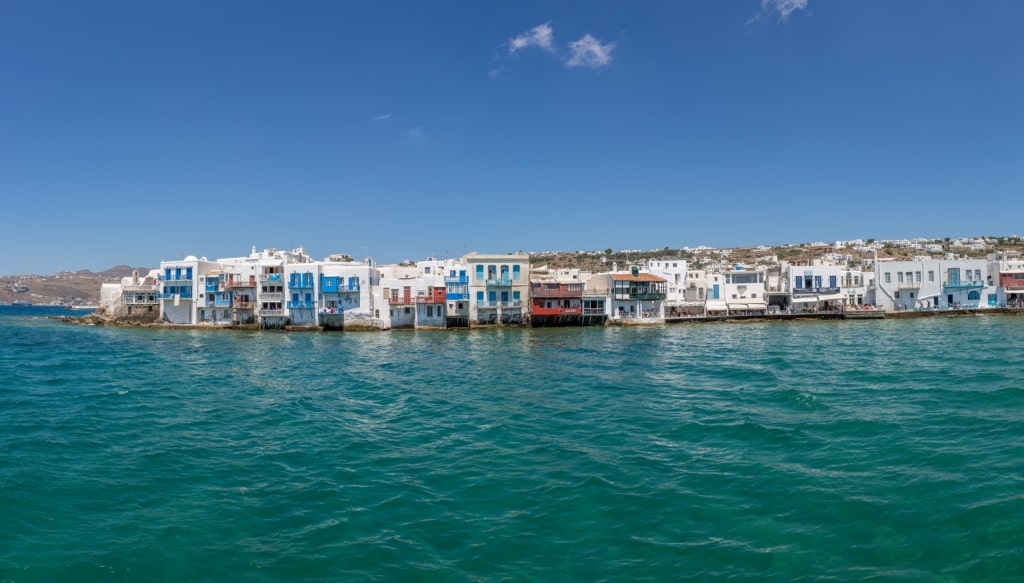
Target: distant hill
x=77, y=287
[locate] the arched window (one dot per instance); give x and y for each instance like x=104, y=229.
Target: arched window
x=973, y=296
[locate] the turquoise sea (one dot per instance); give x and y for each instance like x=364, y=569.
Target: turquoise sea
x=837, y=451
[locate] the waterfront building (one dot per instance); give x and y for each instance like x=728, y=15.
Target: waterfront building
x=302, y=295
x=399, y=284
x=855, y=284
x=456, y=282
x=815, y=288
x=934, y=283
x=683, y=297
x=178, y=288
x=415, y=294
x=555, y=302
x=141, y=293
x=745, y=291
x=240, y=281
x=634, y=296
x=499, y=286
x=347, y=298
x=1010, y=275
x=714, y=304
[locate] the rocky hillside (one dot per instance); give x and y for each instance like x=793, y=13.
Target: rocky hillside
x=78, y=287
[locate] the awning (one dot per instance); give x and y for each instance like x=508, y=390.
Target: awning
x=715, y=306
x=831, y=298
x=737, y=305
x=757, y=306
x=805, y=299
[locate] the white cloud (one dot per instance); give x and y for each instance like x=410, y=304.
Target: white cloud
x=382, y=117
x=416, y=133
x=539, y=36
x=589, y=52
x=783, y=7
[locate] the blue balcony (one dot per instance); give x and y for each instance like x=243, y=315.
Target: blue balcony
x=301, y=305
x=222, y=303
x=954, y=286
x=456, y=296
x=212, y=285
x=500, y=282
x=457, y=279
x=301, y=281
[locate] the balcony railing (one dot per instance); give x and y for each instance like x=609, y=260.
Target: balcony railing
x=139, y=288
x=270, y=277
x=219, y=304
x=436, y=299
x=499, y=304
x=212, y=286
x=812, y=291
x=557, y=311
x=270, y=312
x=271, y=297
x=500, y=282
x=542, y=292
x=640, y=296
x=593, y=311
x=459, y=279
x=236, y=283
x=402, y=301
x=242, y=305
x=962, y=285
x=132, y=300
x=170, y=296
x=301, y=305
x=300, y=284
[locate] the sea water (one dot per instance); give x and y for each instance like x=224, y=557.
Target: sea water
x=844, y=451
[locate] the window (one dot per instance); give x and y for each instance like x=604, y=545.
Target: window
x=515, y=296
x=515, y=272
x=977, y=274
x=888, y=277
x=899, y=276
x=931, y=275
x=479, y=296
x=973, y=295
x=797, y=284
x=479, y=272
x=896, y=295
x=426, y=269
x=832, y=281
x=917, y=276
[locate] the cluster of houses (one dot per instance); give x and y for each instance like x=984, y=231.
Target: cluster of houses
x=277, y=289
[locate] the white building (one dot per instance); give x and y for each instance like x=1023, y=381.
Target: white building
x=499, y=288
x=931, y=284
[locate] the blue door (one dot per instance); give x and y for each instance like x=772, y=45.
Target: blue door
x=714, y=292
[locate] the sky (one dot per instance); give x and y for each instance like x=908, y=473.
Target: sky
x=134, y=132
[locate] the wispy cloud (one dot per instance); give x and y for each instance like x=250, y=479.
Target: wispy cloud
x=783, y=7
x=589, y=52
x=585, y=52
x=542, y=36
x=382, y=117
x=417, y=133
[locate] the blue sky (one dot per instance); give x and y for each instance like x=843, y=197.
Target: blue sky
x=132, y=132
